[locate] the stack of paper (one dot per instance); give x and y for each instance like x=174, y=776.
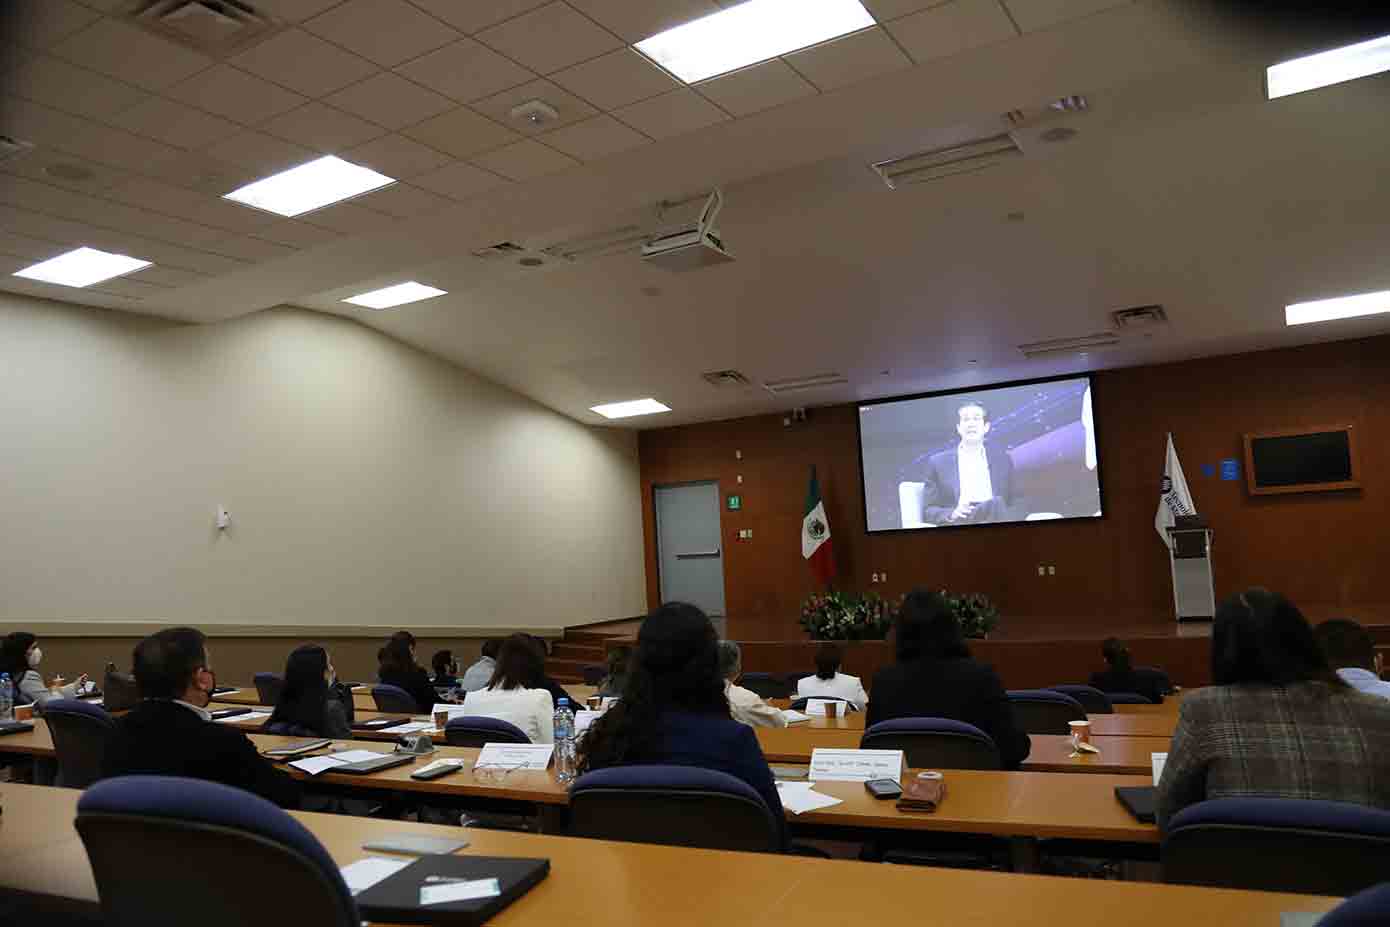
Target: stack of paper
x=800, y=797
x=249, y=716
x=582, y=720
x=314, y=765
x=413, y=727
x=794, y=717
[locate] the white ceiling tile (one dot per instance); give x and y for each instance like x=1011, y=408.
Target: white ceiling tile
x=403, y=201
x=760, y=87
x=524, y=160
x=956, y=27
x=460, y=181
x=348, y=218
x=105, y=6
x=263, y=153
x=203, y=208
x=297, y=234
x=549, y=38
x=1032, y=15
x=571, y=108
x=461, y=133
x=131, y=55
x=397, y=156
x=175, y=124
x=66, y=170
x=170, y=276
x=79, y=207
x=466, y=70
x=46, y=126
x=635, y=20
x=884, y=10
x=595, y=138
x=36, y=249
x=616, y=79
x=472, y=15
x=390, y=100
x=671, y=114
x=322, y=127
x=385, y=31
x=295, y=11
x=848, y=60
x=237, y=95
x=304, y=63
x=249, y=248
x=54, y=82
x=130, y=286
x=40, y=23
x=204, y=173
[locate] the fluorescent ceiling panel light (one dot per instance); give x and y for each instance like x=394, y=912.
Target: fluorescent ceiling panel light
x=1342, y=307
x=751, y=32
x=1327, y=68
x=82, y=267
x=397, y=295
x=310, y=186
x=631, y=408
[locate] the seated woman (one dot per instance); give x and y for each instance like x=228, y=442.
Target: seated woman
x=515, y=692
x=20, y=656
x=312, y=704
x=612, y=684
x=1277, y=722
x=673, y=709
x=1122, y=676
x=445, y=670
x=829, y=682
x=398, y=668
x=934, y=677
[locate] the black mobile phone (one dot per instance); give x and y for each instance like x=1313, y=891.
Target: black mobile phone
x=883, y=788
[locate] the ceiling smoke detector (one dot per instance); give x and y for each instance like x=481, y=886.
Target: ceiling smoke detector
x=725, y=378
x=535, y=113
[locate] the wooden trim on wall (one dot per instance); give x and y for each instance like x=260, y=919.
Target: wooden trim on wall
x=98, y=627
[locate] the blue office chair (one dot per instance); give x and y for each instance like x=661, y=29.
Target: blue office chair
x=394, y=699
x=1092, y=699
x=935, y=743
x=1278, y=844
x=166, y=850
x=675, y=805
x=1127, y=698
x=80, y=732
x=1370, y=908
x=475, y=731
x=1042, y=711
x=268, y=687
x=766, y=685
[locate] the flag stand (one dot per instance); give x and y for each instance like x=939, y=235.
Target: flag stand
x=1194, y=597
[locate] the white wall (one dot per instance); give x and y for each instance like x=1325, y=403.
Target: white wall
x=369, y=483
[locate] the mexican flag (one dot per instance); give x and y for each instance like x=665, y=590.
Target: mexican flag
x=815, y=534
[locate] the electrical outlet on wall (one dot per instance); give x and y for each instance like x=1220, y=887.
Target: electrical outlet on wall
x=1042, y=570
x=1052, y=570
x=873, y=578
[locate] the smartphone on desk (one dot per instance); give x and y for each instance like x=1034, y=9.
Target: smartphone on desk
x=883, y=788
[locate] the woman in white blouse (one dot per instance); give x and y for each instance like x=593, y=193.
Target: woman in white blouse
x=829, y=682
x=514, y=694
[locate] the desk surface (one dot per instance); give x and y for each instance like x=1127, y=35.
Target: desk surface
x=361, y=696
x=1128, y=725
x=619, y=884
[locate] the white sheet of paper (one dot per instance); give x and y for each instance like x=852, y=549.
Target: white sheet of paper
x=582, y=720
x=249, y=716
x=815, y=707
x=515, y=756
x=794, y=717
x=353, y=756
x=1158, y=759
x=413, y=727
x=313, y=765
x=856, y=765
x=445, y=892
x=365, y=873
x=800, y=797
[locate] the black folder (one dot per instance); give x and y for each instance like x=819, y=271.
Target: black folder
x=14, y=727
x=379, y=724
x=396, y=899
x=221, y=713
x=1139, y=800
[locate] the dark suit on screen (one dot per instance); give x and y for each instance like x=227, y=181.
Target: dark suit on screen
x=942, y=491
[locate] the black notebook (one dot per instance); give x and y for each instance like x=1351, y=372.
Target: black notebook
x=397, y=898
x=221, y=713
x=384, y=761
x=15, y=727
x=378, y=724
x=1139, y=799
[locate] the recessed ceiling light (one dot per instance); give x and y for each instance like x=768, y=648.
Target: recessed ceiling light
x=398, y=295
x=751, y=32
x=309, y=186
x=82, y=267
x=1342, y=307
x=630, y=408
x=1327, y=68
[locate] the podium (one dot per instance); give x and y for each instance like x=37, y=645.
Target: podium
x=1194, y=598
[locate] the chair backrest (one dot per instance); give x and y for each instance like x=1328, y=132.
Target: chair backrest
x=676, y=805
x=1370, y=908
x=1092, y=699
x=766, y=685
x=268, y=687
x=1042, y=711
x=1127, y=698
x=80, y=732
x=935, y=743
x=594, y=674
x=142, y=832
x=1278, y=844
x=394, y=699
x=475, y=731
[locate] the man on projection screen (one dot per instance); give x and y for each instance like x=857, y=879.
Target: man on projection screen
x=972, y=484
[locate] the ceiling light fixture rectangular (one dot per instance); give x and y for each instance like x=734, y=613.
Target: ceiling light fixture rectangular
x=1341, y=307
x=630, y=408
x=1327, y=68
x=754, y=31
x=82, y=267
x=310, y=186
x=398, y=295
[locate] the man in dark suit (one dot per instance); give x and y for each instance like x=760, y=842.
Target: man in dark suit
x=972, y=483
x=170, y=732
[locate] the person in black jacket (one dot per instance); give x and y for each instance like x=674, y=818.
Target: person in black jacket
x=398, y=668
x=935, y=677
x=1121, y=675
x=170, y=732
x=312, y=703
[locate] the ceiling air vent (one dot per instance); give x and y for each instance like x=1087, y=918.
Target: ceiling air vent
x=598, y=244
x=796, y=384
x=725, y=378
x=1140, y=317
x=1084, y=344
x=945, y=162
x=1032, y=115
x=13, y=148
x=213, y=27
x=503, y=249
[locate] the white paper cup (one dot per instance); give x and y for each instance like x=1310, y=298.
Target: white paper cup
x=1080, y=732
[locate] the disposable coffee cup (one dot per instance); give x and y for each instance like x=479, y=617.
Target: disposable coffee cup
x=1080, y=732
x=832, y=709
x=441, y=719
x=595, y=702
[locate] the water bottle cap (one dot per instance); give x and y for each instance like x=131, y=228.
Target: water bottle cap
x=564, y=703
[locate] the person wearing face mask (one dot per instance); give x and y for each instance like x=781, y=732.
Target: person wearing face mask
x=170, y=732
x=20, y=656
x=312, y=703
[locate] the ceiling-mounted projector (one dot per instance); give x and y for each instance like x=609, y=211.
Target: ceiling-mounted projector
x=694, y=246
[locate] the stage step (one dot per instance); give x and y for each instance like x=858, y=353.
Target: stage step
x=592, y=638
x=569, y=651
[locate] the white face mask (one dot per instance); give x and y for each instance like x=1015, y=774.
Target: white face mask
x=35, y=657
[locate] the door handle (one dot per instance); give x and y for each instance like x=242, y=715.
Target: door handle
x=699, y=554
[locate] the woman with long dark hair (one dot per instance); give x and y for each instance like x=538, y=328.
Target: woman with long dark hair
x=515, y=693
x=1277, y=722
x=312, y=703
x=829, y=682
x=673, y=709
x=398, y=668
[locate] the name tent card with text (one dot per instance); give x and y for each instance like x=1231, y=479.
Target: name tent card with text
x=856, y=765
x=514, y=756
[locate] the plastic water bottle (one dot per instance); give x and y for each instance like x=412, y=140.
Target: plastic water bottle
x=564, y=741
x=6, y=698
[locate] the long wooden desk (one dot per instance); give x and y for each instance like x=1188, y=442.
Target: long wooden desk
x=621, y=884
x=1148, y=725
x=362, y=696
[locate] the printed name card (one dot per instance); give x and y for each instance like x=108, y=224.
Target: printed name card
x=514, y=756
x=856, y=765
x=1159, y=759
